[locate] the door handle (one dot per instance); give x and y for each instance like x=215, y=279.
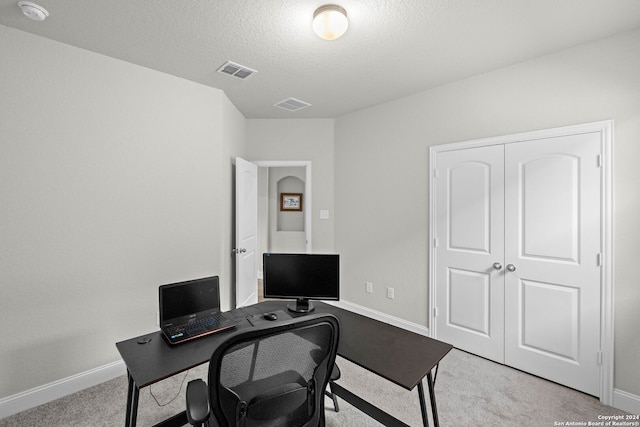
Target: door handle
x=238, y=251
x=511, y=267
x=497, y=266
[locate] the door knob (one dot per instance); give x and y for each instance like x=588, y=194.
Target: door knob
x=238, y=251
x=497, y=265
x=511, y=267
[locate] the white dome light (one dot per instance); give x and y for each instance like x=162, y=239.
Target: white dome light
x=33, y=11
x=330, y=22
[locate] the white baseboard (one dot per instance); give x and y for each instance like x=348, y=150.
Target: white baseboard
x=383, y=317
x=626, y=401
x=46, y=393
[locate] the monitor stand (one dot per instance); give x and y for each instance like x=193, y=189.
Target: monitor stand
x=302, y=305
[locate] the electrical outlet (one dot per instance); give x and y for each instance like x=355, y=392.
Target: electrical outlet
x=369, y=287
x=390, y=293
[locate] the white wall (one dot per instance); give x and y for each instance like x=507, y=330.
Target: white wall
x=270, y=239
x=382, y=208
x=286, y=229
x=114, y=179
x=301, y=139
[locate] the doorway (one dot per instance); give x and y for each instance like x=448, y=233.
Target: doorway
x=263, y=213
x=520, y=266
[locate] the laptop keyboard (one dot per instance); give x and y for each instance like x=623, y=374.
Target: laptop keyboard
x=201, y=323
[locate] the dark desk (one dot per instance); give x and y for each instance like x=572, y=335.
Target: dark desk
x=371, y=344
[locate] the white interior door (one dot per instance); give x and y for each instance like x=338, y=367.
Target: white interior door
x=552, y=254
x=246, y=249
x=517, y=254
x=470, y=250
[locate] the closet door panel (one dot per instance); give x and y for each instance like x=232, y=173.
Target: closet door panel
x=552, y=241
x=470, y=241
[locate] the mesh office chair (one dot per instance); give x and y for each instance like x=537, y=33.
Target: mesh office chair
x=271, y=375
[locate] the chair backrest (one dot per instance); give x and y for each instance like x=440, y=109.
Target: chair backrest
x=274, y=374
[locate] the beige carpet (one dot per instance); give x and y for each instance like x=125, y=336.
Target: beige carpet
x=470, y=391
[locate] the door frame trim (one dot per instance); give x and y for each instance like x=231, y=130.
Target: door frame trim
x=606, y=129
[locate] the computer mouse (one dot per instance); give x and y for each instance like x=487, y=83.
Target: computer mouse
x=270, y=316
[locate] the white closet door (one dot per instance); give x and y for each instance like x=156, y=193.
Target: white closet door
x=552, y=274
x=470, y=241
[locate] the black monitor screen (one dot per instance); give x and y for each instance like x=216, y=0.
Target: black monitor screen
x=302, y=276
x=190, y=297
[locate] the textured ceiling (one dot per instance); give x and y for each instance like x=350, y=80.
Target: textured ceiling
x=393, y=48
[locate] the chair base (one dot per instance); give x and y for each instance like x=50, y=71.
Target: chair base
x=335, y=375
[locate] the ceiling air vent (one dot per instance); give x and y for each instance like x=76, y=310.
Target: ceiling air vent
x=292, y=104
x=236, y=70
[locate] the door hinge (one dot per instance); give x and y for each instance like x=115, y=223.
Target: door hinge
x=599, y=160
x=599, y=358
x=435, y=174
x=435, y=311
x=599, y=260
x=435, y=243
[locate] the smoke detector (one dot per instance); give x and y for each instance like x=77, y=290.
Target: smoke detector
x=33, y=11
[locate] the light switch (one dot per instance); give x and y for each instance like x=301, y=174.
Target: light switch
x=324, y=214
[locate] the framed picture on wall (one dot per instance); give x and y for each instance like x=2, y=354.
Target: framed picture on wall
x=291, y=202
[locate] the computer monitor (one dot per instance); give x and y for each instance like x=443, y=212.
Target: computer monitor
x=302, y=277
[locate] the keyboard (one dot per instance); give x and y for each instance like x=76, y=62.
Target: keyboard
x=202, y=323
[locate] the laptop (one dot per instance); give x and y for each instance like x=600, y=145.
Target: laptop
x=191, y=309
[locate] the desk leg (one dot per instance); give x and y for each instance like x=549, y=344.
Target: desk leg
x=366, y=407
x=423, y=405
x=133, y=393
x=432, y=395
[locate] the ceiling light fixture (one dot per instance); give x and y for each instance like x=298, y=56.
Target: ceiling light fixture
x=33, y=11
x=330, y=22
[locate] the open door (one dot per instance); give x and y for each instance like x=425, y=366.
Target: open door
x=246, y=233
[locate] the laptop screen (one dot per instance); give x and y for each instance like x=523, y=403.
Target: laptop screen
x=190, y=297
